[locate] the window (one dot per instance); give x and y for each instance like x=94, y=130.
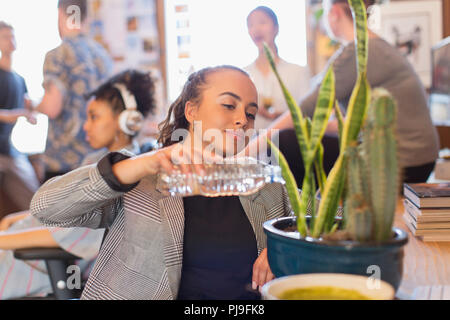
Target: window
x=36, y=30
x=202, y=33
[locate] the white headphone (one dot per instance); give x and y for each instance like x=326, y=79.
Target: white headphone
x=130, y=119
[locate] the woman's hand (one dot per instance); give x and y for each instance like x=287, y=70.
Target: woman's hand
x=134, y=169
x=168, y=159
x=180, y=157
x=261, y=271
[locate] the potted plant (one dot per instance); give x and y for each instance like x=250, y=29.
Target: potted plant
x=364, y=182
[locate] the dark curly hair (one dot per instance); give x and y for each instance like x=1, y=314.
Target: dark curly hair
x=140, y=84
x=192, y=91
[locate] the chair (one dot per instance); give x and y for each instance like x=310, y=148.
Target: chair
x=6, y=205
x=57, y=261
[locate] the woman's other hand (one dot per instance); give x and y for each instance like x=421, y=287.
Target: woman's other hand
x=261, y=271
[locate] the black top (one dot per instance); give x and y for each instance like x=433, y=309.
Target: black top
x=219, y=243
x=219, y=250
x=12, y=91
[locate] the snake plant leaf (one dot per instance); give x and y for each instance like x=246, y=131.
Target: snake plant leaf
x=356, y=114
x=340, y=119
x=330, y=197
x=297, y=116
x=292, y=189
x=306, y=198
x=322, y=112
x=360, y=98
x=320, y=171
x=332, y=208
x=308, y=185
x=356, y=111
x=308, y=127
x=355, y=117
x=361, y=35
x=312, y=198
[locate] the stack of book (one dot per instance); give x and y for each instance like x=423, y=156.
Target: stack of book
x=427, y=210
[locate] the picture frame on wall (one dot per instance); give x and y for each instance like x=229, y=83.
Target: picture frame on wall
x=413, y=27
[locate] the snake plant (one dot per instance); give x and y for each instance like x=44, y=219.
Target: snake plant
x=365, y=217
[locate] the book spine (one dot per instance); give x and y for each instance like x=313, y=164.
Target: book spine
x=411, y=196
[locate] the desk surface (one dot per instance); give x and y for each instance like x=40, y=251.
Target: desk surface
x=426, y=266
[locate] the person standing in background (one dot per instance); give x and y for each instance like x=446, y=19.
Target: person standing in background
x=18, y=181
x=263, y=27
x=71, y=70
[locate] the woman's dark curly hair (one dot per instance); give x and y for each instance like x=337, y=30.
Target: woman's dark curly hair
x=140, y=84
x=192, y=91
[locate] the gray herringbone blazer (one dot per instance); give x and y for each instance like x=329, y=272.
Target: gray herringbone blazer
x=141, y=257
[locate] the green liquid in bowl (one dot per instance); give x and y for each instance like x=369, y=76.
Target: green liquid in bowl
x=322, y=293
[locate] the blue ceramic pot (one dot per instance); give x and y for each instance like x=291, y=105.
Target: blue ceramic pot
x=288, y=254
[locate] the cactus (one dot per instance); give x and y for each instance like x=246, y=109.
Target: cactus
x=358, y=219
x=373, y=174
x=380, y=154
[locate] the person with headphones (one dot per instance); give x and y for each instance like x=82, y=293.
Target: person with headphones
x=115, y=114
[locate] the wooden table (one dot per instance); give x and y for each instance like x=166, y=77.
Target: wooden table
x=426, y=266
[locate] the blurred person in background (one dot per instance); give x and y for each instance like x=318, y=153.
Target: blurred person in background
x=18, y=181
x=262, y=24
x=71, y=70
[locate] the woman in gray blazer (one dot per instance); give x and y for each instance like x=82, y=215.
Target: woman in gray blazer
x=163, y=247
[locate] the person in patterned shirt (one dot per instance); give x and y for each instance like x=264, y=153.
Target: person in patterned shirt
x=71, y=70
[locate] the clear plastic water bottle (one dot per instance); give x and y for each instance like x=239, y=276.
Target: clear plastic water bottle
x=242, y=176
